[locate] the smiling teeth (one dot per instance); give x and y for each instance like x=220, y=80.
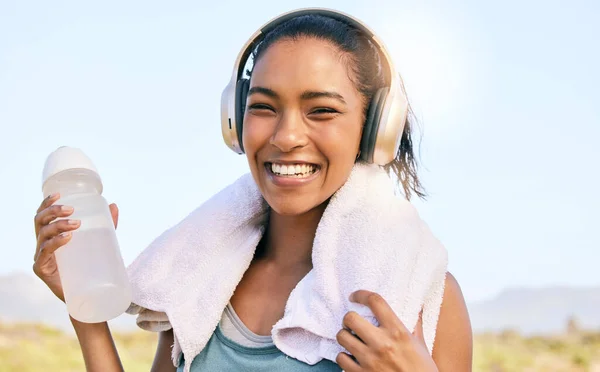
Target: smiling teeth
x=293, y=170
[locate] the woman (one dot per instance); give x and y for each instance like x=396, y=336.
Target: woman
x=283, y=125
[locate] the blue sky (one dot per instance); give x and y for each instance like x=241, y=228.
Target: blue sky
x=506, y=93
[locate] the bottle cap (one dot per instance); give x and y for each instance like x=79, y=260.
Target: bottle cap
x=64, y=158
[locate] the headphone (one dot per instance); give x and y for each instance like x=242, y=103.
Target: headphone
x=387, y=111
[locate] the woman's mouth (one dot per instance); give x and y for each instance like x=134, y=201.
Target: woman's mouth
x=292, y=174
x=292, y=170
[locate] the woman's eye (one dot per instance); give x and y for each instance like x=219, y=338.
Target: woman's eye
x=324, y=111
x=260, y=107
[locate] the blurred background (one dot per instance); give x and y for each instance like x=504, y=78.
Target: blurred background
x=506, y=94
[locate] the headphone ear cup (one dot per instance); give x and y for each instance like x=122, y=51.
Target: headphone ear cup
x=241, y=94
x=369, y=136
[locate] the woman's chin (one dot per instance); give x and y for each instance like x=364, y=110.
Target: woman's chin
x=289, y=209
x=290, y=206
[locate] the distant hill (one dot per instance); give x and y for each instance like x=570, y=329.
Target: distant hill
x=26, y=298
x=545, y=310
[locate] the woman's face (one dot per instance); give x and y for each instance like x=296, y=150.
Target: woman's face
x=302, y=124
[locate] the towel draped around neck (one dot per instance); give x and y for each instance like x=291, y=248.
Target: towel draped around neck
x=368, y=238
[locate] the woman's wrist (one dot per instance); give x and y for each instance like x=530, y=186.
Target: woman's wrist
x=97, y=346
x=87, y=327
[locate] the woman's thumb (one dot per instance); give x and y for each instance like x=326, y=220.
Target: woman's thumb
x=114, y=212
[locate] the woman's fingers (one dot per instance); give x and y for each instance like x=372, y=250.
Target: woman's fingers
x=48, y=247
x=50, y=231
x=49, y=214
x=352, y=343
x=48, y=201
x=46, y=229
x=382, y=310
x=347, y=363
x=362, y=328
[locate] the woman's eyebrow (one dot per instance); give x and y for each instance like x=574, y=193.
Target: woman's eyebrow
x=266, y=91
x=318, y=94
x=307, y=95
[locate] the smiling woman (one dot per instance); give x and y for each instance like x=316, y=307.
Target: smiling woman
x=322, y=102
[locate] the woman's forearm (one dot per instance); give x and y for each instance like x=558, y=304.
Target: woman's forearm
x=98, y=347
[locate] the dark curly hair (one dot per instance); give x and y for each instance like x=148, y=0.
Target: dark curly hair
x=365, y=71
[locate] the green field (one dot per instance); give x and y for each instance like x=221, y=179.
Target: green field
x=31, y=347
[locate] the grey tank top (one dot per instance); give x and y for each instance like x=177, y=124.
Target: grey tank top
x=234, y=329
x=234, y=347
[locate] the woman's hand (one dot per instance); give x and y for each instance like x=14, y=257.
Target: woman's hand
x=52, y=235
x=389, y=347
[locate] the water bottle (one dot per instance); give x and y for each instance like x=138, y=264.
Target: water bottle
x=92, y=272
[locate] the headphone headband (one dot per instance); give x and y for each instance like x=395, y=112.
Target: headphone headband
x=259, y=35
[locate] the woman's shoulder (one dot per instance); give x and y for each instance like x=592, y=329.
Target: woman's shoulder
x=453, y=302
x=454, y=336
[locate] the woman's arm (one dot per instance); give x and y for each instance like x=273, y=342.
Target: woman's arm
x=162, y=359
x=100, y=354
x=97, y=346
x=453, y=348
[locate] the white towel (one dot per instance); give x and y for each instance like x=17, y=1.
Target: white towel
x=368, y=238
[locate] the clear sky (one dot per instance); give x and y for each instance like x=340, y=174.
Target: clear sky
x=507, y=94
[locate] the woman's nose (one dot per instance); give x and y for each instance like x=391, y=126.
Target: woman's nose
x=290, y=132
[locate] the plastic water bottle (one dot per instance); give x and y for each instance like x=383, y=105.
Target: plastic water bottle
x=92, y=272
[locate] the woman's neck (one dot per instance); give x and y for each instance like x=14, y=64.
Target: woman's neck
x=288, y=240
